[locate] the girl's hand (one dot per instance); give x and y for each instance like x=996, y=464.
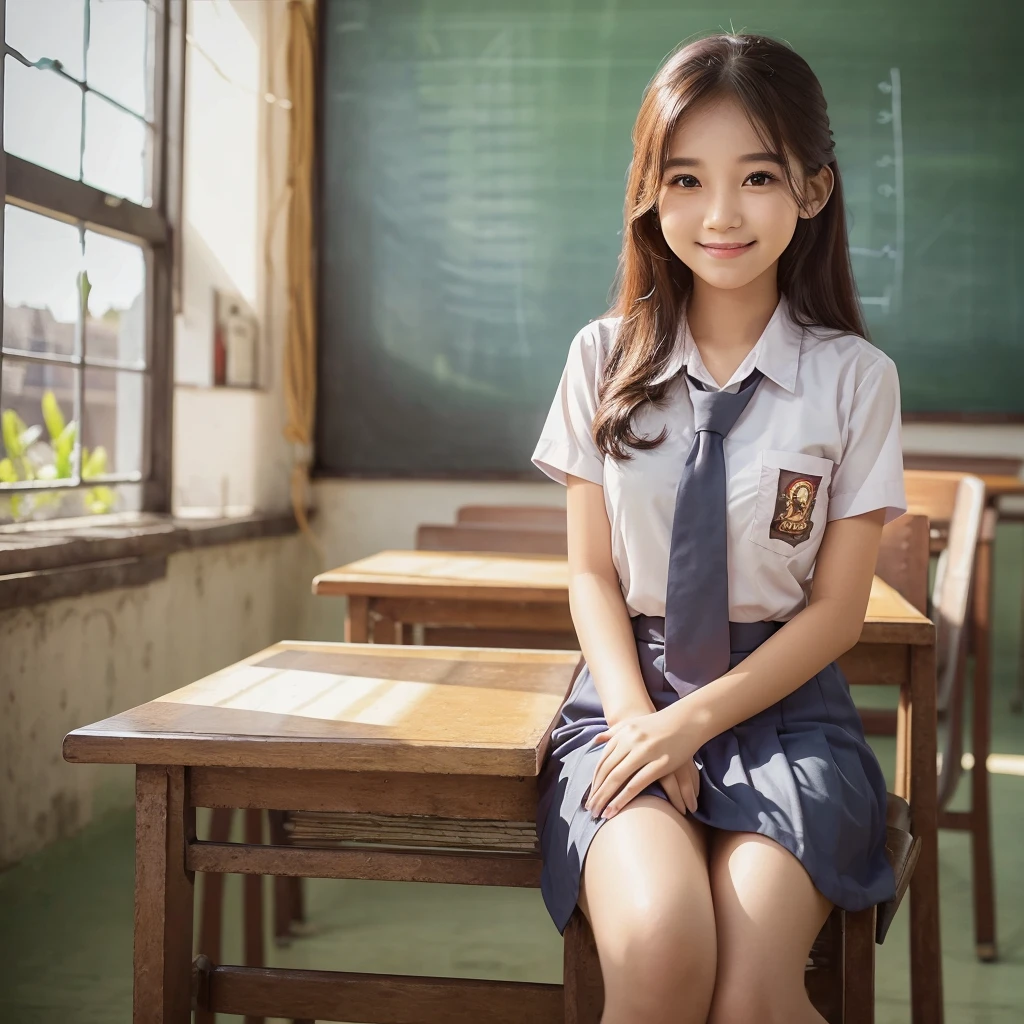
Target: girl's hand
x=639, y=751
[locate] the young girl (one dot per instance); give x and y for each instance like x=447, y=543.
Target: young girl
x=726, y=434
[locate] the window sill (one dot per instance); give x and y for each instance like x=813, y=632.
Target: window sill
x=47, y=560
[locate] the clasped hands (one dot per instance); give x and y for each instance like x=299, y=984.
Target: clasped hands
x=646, y=747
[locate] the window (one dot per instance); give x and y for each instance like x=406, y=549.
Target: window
x=91, y=169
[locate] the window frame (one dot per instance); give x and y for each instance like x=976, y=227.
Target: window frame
x=156, y=228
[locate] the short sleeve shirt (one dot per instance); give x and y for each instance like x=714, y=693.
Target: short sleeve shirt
x=819, y=440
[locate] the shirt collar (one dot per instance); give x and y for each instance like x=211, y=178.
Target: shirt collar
x=776, y=354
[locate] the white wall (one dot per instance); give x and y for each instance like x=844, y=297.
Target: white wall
x=72, y=662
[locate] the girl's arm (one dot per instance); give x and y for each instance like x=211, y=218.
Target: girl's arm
x=598, y=609
x=818, y=634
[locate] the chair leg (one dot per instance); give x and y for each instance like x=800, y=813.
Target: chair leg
x=252, y=886
x=211, y=914
x=980, y=815
x=581, y=973
x=859, y=968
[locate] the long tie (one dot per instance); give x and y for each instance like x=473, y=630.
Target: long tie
x=697, y=599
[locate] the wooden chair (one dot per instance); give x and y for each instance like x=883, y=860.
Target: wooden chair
x=537, y=516
x=954, y=505
x=501, y=537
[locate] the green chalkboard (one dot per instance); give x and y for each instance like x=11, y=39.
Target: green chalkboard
x=473, y=157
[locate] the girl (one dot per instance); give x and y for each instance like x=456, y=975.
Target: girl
x=731, y=447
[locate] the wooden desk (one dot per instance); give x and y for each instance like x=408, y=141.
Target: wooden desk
x=453, y=734
x=897, y=648
x=449, y=588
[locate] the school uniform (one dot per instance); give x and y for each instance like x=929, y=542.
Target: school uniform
x=714, y=536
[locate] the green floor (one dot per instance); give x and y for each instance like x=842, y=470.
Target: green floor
x=66, y=914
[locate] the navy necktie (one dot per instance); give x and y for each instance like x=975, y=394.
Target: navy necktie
x=697, y=647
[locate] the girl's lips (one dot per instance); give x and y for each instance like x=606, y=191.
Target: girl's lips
x=725, y=254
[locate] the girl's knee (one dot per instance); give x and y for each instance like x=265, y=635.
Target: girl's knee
x=654, y=966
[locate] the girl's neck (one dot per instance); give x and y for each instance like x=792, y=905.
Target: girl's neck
x=725, y=324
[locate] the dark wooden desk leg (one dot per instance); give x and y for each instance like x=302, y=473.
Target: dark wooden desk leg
x=252, y=886
x=925, y=934
x=357, y=621
x=583, y=986
x=211, y=913
x=163, y=897
x=980, y=813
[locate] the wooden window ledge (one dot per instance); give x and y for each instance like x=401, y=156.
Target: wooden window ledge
x=43, y=561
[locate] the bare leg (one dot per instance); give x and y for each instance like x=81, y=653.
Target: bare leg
x=646, y=893
x=768, y=914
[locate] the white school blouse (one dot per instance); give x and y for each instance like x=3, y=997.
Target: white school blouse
x=820, y=440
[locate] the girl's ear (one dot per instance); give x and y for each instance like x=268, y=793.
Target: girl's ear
x=817, y=189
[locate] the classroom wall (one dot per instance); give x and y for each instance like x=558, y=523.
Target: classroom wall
x=71, y=662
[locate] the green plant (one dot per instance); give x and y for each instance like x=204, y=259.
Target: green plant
x=29, y=457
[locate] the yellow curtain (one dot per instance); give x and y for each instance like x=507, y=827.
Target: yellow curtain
x=300, y=342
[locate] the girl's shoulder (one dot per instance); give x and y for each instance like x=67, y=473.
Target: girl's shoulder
x=848, y=358
x=596, y=337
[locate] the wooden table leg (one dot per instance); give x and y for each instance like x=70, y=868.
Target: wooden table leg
x=980, y=813
x=211, y=915
x=252, y=915
x=163, y=897
x=357, y=621
x=925, y=934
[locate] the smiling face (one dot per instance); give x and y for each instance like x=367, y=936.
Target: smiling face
x=724, y=206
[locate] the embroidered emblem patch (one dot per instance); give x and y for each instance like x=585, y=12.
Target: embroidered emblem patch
x=794, y=503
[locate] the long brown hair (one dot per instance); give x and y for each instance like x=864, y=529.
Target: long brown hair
x=784, y=101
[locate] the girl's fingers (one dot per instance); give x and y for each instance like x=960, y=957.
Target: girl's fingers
x=643, y=778
x=618, y=777
x=612, y=756
x=671, y=786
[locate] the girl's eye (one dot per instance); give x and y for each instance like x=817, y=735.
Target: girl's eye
x=685, y=179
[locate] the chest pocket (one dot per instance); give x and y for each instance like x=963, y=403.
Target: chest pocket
x=791, y=503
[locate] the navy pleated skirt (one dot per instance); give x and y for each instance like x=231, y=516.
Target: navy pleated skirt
x=799, y=772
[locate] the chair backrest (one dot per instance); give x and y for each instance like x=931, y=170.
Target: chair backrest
x=537, y=516
x=903, y=558
x=959, y=500
x=1000, y=465
x=484, y=537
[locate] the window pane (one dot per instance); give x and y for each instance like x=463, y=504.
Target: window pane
x=119, y=51
x=36, y=444
x=116, y=283
x=42, y=117
x=42, y=260
x=114, y=418
x=115, y=150
x=49, y=28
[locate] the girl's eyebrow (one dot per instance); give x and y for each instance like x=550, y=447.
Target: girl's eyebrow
x=687, y=161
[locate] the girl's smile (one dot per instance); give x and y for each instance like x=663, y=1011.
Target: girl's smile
x=726, y=250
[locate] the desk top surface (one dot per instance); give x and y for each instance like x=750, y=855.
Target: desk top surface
x=359, y=707
x=473, y=575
